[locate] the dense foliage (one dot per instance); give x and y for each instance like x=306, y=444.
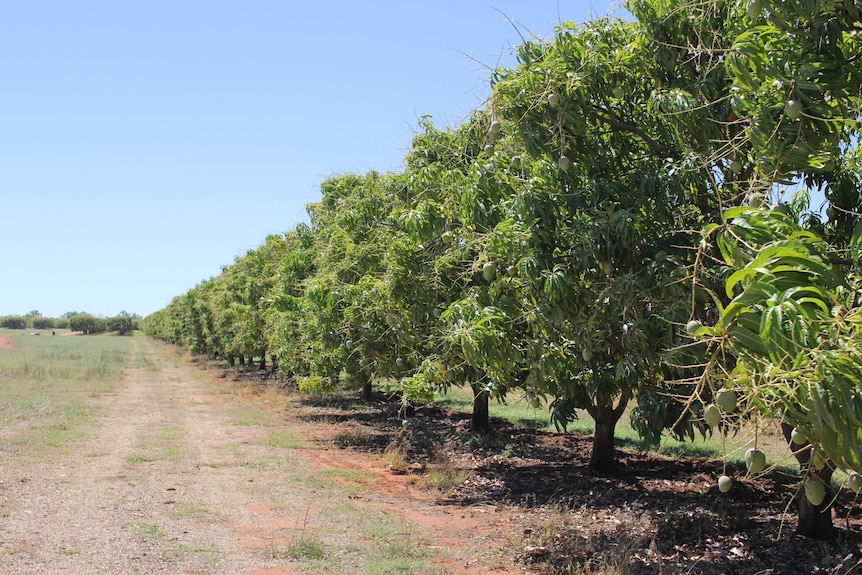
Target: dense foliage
x=13, y=322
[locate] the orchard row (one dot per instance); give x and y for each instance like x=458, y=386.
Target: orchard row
x=614, y=230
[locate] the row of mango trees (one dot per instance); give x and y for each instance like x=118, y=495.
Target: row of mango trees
x=606, y=234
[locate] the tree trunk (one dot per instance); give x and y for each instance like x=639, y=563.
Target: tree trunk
x=262, y=365
x=242, y=359
x=366, y=391
x=604, y=456
x=231, y=360
x=273, y=361
x=480, y=420
x=815, y=521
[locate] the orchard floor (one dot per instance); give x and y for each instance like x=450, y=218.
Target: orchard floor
x=533, y=492
x=652, y=515
x=191, y=468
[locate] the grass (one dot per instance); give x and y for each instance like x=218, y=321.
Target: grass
x=518, y=411
x=149, y=530
x=357, y=476
x=171, y=433
x=199, y=512
x=355, y=482
x=137, y=459
x=48, y=384
x=284, y=439
x=49, y=389
x=165, y=453
x=249, y=417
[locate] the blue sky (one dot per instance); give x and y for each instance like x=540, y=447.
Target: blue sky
x=144, y=145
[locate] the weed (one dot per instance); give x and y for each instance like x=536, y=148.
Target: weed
x=207, y=553
x=170, y=433
x=306, y=548
x=302, y=546
x=199, y=513
x=149, y=530
x=444, y=475
x=136, y=459
x=172, y=454
x=396, y=551
x=284, y=439
x=395, y=455
x=314, y=385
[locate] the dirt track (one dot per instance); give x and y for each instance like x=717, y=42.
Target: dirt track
x=180, y=477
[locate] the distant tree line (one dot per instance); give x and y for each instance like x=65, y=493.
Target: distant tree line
x=122, y=323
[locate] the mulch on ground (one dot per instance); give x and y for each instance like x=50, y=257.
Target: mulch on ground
x=653, y=514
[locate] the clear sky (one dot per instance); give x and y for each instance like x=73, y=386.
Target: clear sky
x=144, y=145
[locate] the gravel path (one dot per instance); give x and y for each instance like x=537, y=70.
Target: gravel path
x=176, y=477
x=146, y=494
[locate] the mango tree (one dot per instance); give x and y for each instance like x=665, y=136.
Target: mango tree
x=122, y=323
x=87, y=324
x=345, y=332
x=13, y=322
x=624, y=122
x=192, y=311
x=793, y=327
x=789, y=313
x=248, y=284
x=464, y=293
x=286, y=313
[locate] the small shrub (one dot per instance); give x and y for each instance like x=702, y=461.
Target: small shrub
x=314, y=385
x=304, y=547
x=395, y=456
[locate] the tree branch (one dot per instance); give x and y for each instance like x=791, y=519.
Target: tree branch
x=608, y=117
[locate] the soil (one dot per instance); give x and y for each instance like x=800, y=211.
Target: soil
x=182, y=477
x=6, y=341
x=652, y=515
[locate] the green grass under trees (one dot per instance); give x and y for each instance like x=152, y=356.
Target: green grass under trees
x=518, y=411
